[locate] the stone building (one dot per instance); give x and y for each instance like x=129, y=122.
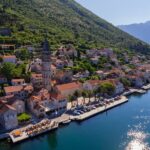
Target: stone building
x=46, y=66
x=8, y=116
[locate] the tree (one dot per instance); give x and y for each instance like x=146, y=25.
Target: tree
x=24, y=117
x=89, y=93
x=77, y=94
x=84, y=94
x=95, y=91
x=23, y=54
x=7, y=70
x=16, y=72
x=106, y=88
x=125, y=82
x=78, y=54
x=71, y=99
x=95, y=77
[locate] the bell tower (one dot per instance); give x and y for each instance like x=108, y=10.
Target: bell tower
x=46, y=66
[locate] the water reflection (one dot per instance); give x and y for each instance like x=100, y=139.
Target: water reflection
x=52, y=140
x=137, y=141
x=136, y=135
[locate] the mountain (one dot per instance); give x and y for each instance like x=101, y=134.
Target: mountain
x=141, y=30
x=64, y=21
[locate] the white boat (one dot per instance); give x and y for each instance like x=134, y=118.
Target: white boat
x=66, y=121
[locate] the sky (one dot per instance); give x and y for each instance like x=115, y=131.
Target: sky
x=120, y=12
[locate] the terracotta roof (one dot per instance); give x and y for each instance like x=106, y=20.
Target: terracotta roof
x=7, y=44
x=28, y=87
x=57, y=96
x=34, y=75
x=133, y=76
x=5, y=107
x=94, y=82
x=11, y=89
x=53, y=66
x=9, y=56
x=5, y=98
x=35, y=98
x=17, y=80
x=68, y=86
x=41, y=96
x=113, y=81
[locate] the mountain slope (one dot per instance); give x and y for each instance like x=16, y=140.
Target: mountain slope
x=65, y=21
x=141, y=30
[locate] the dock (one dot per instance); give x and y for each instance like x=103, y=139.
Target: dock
x=62, y=118
x=146, y=87
x=140, y=91
x=100, y=109
x=32, y=130
x=131, y=91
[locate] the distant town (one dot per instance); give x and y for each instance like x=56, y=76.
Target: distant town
x=41, y=88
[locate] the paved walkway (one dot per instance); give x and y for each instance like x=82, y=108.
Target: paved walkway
x=62, y=118
x=84, y=116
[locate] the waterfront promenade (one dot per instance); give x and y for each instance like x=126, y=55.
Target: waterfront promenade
x=100, y=109
x=23, y=135
x=46, y=126
x=32, y=130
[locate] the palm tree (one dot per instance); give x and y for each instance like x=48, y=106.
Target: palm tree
x=89, y=92
x=77, y=94
x=99, y=90
x=95, y=91
x=71, y=99
x=84, y=95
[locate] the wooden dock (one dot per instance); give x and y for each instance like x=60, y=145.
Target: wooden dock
x=93, y=112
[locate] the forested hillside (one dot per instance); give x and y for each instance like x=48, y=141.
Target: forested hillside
x=64, y=21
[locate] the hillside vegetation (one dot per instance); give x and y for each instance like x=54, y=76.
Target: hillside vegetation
x=64, y=21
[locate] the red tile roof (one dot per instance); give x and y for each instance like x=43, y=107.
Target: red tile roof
x=9, y=56
x=34, y=75
x=57, y=96
x=17, y=80
x=5, y=107
x=11, y=89
x=68, y=86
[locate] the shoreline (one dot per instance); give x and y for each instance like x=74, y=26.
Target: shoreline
x=87, y=115
x=100, y=109
x=81, y=117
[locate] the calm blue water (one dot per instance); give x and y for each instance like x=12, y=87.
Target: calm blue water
x=126, y=127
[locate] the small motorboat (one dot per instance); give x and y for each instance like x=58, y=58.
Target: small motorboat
x=66, y=121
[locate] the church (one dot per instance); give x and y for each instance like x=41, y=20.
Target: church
x=47, y=102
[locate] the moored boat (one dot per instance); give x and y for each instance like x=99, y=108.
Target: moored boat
x=66, y=121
